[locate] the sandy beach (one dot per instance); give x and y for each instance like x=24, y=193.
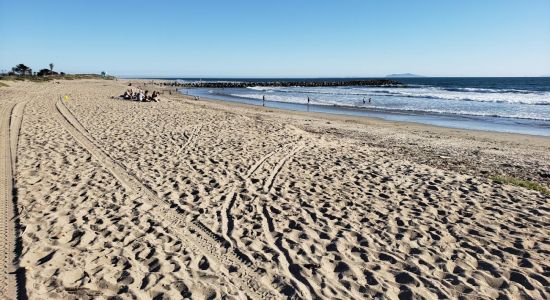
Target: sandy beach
x=214, y=200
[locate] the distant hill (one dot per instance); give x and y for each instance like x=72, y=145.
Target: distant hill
x=403, y=75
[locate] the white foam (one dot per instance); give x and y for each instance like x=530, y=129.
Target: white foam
x=465, y=101
x=459, y=94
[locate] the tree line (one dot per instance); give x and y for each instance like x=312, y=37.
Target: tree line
x=23, y=70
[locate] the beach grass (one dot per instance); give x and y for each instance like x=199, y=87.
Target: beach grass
x=520, y=182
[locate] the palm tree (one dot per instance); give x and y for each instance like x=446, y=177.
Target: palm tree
x=51, y=68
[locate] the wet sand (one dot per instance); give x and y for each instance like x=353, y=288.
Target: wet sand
x=205, y=199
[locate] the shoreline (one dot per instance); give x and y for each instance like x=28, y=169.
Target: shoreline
x=469, y=122
x=366, y=119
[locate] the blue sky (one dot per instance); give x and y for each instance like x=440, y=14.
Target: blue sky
x=279, y=38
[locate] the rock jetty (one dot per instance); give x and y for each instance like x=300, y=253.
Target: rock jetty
x=245, y=84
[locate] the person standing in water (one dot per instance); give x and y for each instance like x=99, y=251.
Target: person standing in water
x=363, y=100
x=370, y=99
x=263, y=100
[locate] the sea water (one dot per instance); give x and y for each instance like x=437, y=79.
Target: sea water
x=520, y=105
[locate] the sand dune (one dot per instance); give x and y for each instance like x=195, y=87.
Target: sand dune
x=186, y=199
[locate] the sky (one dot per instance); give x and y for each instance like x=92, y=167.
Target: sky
x=284, y=38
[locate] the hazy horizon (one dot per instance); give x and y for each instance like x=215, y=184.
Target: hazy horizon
x=285, y=39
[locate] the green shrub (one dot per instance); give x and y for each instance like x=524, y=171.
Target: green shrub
x=55, y=77
x=520, y=182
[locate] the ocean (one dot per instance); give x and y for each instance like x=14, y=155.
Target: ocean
x=520, y=105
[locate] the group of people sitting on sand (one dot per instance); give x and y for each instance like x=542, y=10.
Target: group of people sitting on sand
x=141, y=96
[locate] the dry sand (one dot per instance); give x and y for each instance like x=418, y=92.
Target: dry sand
x=209, y=200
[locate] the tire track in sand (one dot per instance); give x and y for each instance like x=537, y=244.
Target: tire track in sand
x=15, y=128
x=260, y=161
x=190, y=139
x=307, y=290
x=268, y=184
x=230, y=196
x=290, y=269
x=8, y=281
x=194, y=234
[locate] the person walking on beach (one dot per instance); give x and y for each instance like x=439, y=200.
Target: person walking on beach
x=263, y=100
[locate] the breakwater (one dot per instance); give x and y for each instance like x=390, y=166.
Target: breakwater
x=245, y=84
